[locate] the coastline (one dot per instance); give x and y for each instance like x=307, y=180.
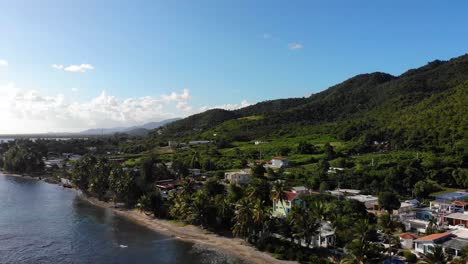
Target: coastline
x=233, y=246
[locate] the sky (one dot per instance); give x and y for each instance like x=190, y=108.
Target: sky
x=66, y=66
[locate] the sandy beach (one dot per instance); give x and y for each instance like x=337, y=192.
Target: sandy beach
x=233, y=246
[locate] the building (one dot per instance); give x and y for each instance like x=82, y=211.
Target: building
x=194, y=172
x=282, y=208
x=414, y=202
x=453, y=196
x=444, y=206
x=279, y=162
x=456, y=219
x=237, y=177
x=300, y=190
x=404, y=208
x=407, y=240
x=427, y=244
x=371, y=202
x=199, y=142
x=326, y=236
x=344, y=192
x=335, y=169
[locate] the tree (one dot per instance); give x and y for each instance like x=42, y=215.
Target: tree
x=306, y=148
x=213, y=187
x=151, y=202
x=329, y=151
x=123, y=186
x=258, y=170
x=389, y=201
x=243, y=219
x=278, y=192
x=83, y=171
x=423, y=188
x=23, y=159
x=388, y=225
x=99, y=177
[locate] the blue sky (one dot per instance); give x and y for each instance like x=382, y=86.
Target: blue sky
x=223, y=53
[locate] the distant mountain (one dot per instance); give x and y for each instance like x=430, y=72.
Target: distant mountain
x=142, y=130
x=375, y=106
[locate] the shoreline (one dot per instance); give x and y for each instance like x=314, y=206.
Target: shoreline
x=190, y=233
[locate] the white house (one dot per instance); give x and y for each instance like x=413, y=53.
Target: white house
x=407, y=240
x=335, y=169
x=237, y=177
x=427, y=244
x=279, y=162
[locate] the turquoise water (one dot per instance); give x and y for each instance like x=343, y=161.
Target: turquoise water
x=44, y=223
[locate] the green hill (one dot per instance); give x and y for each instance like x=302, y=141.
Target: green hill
x=422, y=108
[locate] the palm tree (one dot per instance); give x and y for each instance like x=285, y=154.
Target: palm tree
x=261, y=215
x=199, y=208
x=243, y=219
x=310, y=227
x=388, y=225
x=278, y=193
x=318, y=210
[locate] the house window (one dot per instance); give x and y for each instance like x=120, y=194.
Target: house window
x=287, y=203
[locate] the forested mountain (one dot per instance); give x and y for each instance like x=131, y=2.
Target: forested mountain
x=423, y=106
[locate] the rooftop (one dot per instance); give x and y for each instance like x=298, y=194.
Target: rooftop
x=279, y=158
x=363, y=198
x=460, y=216
x=291, y=195
x=458, y=195
x=434, y=237
x=407, y=236
x=456, y=243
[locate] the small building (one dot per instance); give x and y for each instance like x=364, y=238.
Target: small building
x=282, y=208
x=199, y=142
x=456, y=219
x=237, y=177
x=407, y=240
x=195, y=172
x=279, y=162
x=425, y=245
x=404, y=208
x=413, y=202
x=326, y=236
x=300, y=190
x=335, y=169
x=371, y=202
x=344, y=192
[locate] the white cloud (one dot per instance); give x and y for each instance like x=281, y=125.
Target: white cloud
x=243, y=103
x=57, y=66
x=29, y=111
x=74, y=68
x=295, y=46
x=3, y=63
x=79, y=68
x=75, y=90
